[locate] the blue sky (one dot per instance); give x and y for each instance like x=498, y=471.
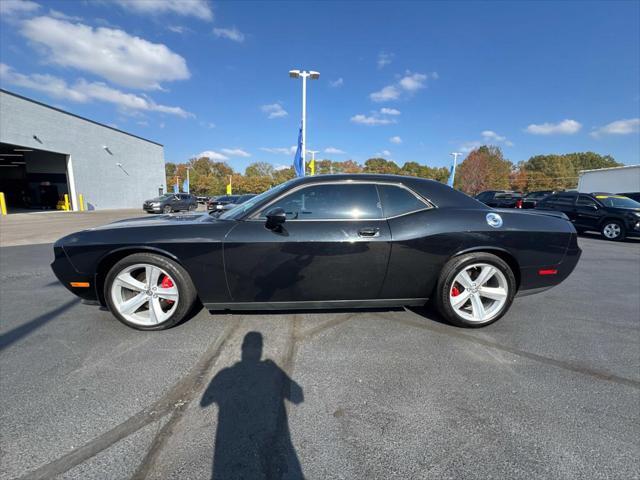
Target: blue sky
x=408, y=81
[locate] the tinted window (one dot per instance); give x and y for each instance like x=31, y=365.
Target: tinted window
x=483, y=197
x=340, y=201
x=397, y=200
x=617, y=201
x=564, y=199
x=586, y=200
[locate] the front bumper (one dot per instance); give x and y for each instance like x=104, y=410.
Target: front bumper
x=67, y=274
x=152, y=209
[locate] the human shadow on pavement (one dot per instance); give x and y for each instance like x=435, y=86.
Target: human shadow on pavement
x=253, y=439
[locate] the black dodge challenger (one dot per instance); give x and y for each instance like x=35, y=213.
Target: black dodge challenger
x=321, y=242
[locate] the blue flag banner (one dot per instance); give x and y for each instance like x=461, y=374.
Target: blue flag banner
x=185, y=186
x=297, y=160
x=176, y=187
x=452, y=174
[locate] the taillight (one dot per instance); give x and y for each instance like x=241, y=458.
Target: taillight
x=519, y=203
x=547, y=271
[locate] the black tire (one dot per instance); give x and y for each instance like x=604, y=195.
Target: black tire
x=167, y=209
x=186, y=289
x=609, y=227
x=448, y=275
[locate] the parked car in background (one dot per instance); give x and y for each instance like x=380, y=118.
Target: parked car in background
x=320, y=242
x=632, y=195
x=240, y=200
x=615, y=216
x=216, y=203
x=202, y=199
x=531, y=199
x=171, y=202
x=500, y=198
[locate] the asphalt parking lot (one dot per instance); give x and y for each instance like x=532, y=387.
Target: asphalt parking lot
x=552, y=390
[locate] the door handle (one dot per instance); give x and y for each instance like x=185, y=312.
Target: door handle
x=369, y=232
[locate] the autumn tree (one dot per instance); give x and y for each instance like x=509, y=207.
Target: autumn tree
x=485, y=168
x=381, y=165
x=559, y=172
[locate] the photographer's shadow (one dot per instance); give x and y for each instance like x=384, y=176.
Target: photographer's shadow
x=253, y=440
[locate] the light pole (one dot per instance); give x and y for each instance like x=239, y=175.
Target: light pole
x=313, y=76
x=455, y=156
x=312, y=163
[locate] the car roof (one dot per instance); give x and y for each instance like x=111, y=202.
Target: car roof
x=438, y=193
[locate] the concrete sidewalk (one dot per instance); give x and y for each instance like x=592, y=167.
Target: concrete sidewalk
x=48, y=226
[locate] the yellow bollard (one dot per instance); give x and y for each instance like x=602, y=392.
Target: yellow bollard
x=3, y=204
x=81, y=202
x=66, y=202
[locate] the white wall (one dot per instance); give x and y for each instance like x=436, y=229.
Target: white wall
x=612, y=180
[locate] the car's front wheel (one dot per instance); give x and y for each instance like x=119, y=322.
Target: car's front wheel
x=475, y=289
x=149, y=292
x=167, y=209
x=613, y=230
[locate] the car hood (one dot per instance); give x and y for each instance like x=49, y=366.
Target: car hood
x=157, y=220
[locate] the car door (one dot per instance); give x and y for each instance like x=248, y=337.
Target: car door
x=587, y=212
x=334, y=245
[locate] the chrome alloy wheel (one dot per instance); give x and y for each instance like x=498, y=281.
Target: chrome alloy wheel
x=144, y=294
x=479, y=292
x=611, y=231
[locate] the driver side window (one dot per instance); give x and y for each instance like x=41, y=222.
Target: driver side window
x=330, y=202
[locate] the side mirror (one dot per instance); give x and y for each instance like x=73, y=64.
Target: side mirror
x=275, y=218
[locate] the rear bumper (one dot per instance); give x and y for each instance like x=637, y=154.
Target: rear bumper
x=64, y=271
x=532, y=281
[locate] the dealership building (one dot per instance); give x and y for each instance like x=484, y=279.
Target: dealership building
x=46, y=153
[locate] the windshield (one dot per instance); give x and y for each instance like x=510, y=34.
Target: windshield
x=239, y=210
x=162, y=197
x=617, y=201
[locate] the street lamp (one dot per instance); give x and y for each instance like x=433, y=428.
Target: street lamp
x=313, y=76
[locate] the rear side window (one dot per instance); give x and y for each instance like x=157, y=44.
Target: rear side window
x=586, y=200
x=397, y=201
x=331, y=202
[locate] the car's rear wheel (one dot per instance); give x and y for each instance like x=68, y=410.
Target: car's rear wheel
x=167, y=209
x=475, y=289
x=149, y=292
x=613, y=230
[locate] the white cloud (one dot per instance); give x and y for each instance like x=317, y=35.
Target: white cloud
x=389, y=111
x=565, y=127
x=383, y=153
x=82, y=91
x=17, y=7
x=235, y=152
x=177, y=29
x=384, y=59
x=619, y=127
x=110, y=53
x=212, y=155
x=187, y=8
x=232, y=34
x=408, y=84
x=334, y=151
x=491, y=136
x=397, y=140
x=390, y=92
x=63, y=16
x=467, y=147
x=281, y=167
x=274, y=110
x=413, y=81
x=371, y=120
x=336, y=83
x=281, y=150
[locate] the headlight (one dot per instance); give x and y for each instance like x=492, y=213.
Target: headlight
x=636, y=214
x=155, y=204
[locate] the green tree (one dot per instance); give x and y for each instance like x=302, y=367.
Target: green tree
x=561, y=171
x=259, y=169
x=381, y=165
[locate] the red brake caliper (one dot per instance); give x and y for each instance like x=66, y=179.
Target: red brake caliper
x=167, y=283
x=454, y=291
